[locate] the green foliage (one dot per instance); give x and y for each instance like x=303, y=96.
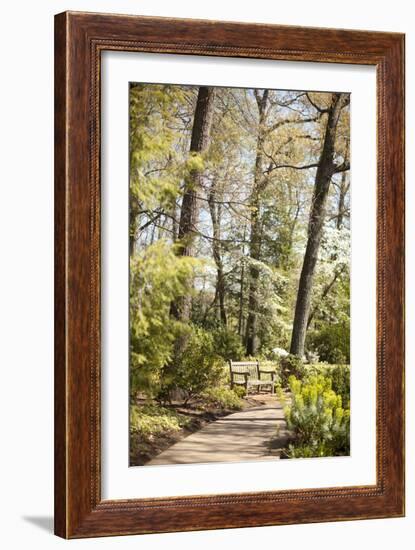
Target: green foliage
x=316, y=416
x=228, y=344
x=153, y=144
x=340, y=379
x=240, y=391
x=331, y=342
x=291, y=365
x=272, y=329
x=331, y=286
x=157, y=277
x=223, y=398
x=194, y=163
x=149, y=421
x=197, y=366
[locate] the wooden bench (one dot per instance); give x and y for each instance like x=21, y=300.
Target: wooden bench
x=250, y=375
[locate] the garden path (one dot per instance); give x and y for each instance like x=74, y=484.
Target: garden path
x=259, y=432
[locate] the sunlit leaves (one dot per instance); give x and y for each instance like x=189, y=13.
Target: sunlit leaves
x=157, y=277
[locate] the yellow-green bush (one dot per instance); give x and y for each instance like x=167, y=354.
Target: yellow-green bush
x=316, y=416
x=340, y=379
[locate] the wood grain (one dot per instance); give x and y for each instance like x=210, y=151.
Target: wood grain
x=79, y=40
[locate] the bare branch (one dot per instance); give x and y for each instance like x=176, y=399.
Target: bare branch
x=346, y=100
x=284, y=122
x=151, y=220
x=303, y=167
x=319, y=109
x=343, y=167
x=287, y=103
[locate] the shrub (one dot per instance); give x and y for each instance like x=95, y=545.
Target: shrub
x=331, y=342
x=157, y=277
x=228, y=344
x=291, y=365
x=197, y=367
x=320, y=424
x=274, y=355
x=340, y=379
x=240, y=391
x=223, y=398
x=149, y=421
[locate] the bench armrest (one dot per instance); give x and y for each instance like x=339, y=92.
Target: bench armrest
x=272, y=373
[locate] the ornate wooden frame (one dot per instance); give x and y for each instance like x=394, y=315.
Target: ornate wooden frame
x=79, y=40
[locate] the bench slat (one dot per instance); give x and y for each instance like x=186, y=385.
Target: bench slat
x=248, y=374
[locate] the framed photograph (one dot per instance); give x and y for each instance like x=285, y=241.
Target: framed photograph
x=229, y=275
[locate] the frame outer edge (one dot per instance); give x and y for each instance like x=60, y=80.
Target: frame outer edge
x=395, y=271
x=60, y=295
x=76, y=512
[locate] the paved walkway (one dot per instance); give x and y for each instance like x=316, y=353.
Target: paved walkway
x=256, y=433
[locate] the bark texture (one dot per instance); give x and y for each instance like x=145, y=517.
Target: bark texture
x=189, y=214
x=341, y=206
x=215, y=208
x=325, y=170
x=256, y=228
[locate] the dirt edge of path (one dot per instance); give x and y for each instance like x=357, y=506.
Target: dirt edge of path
x=198, y=421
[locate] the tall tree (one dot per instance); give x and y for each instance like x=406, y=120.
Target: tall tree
x=255, y=236
x=326, y=168
x=215, y=207
x=187, y=229
x=270, y=151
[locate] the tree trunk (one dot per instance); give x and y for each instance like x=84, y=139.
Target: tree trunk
x=242, y=290
x=344, y=187
x=255, y=250
x=174, y=223
x=215, y=213
x=325, y=170
x=189, y=211
x=256, y=229
x=133, y=214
